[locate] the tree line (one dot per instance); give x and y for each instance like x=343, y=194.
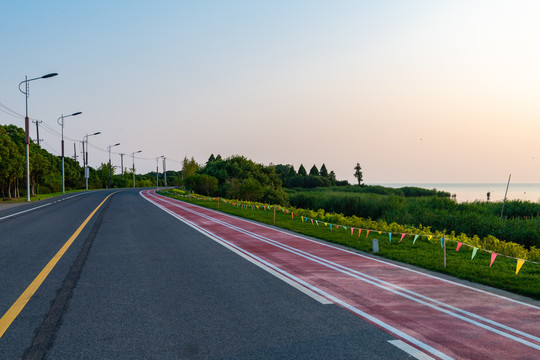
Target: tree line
x=46, y=170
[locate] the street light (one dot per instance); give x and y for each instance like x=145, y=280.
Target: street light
x=85, y=156
x=62, y=124
x=133, y=156
x=157, y=170
x=110, y=168
x=26, y=92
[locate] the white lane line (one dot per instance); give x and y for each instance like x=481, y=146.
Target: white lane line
x=377, y=260
x=414, y=352
x=39, y=207
x=258, y=262
x=313, y=288
x=374, y=281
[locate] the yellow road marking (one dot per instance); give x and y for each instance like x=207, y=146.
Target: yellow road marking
x=21, y=302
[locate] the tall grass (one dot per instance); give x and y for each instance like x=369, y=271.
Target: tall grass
x=520, y=224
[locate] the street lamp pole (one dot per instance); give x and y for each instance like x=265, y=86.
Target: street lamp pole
x=85, y=156
x=157, y=170
x=133, y=156
x=164, y=171
x=110, y=167
x=26, y=92
x=62, y=125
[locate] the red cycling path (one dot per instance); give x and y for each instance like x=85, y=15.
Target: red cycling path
x=439, y=317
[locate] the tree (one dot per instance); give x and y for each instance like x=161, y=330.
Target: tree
x=302, y=170
x=358, y=173
x=323, y=172
x=314, y=171
x=189, y=167
x=332, y=177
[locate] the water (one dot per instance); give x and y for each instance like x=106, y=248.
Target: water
x=472, y=192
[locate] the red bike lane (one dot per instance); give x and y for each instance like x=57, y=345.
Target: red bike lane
x=441, y=318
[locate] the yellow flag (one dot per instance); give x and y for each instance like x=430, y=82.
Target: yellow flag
x=520, y=263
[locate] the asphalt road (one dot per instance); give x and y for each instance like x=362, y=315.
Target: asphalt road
x=136, y=283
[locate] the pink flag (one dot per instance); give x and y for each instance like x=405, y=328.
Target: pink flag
x=402, y=236
x=458, y=246
x=352, y=230
x=311, y=221
x=337, y=227
x=493, y=256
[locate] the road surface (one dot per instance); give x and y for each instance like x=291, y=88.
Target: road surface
x=110, y=275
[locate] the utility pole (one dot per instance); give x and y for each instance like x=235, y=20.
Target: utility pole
x=74, y=152
x=122, y=162
x=37, y=129
x=157, y=172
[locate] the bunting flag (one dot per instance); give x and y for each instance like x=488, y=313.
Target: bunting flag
x=359, y=232
x=305, y=220
x=458, y=246
x=337, y=227
x=442, y=241
x=474, y=251
x=493, y=256
x=402, y=236
x=325, y=224
x=367, y=233
x=311, y=221
x=429, y=237
x=330, y=227
x=389, y=237
x=379, y=232
x=302, y=218
x=520, y=263
x=345, y=227
x=352, y=230
x=292, y=215
x=415, y=237
x=317, y=222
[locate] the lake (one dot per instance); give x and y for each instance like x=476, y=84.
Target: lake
x=472, y=192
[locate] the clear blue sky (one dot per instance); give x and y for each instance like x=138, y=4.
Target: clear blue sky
x=415, y=91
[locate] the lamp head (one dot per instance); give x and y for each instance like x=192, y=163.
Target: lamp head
x=77, y=113
x=49, y=75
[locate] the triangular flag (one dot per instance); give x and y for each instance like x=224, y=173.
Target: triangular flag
x=311, y=221
x=302, y=218
x=359, y=232
x=389, y=237
x=474, y=251
x=379, y=232
x=367, y=233
x=330, y=227
x=345, y=227
x=520, y=263
x=337, y=227
x=442, y=241
x=317, y=222
x=352, y=230
x=402, y=236
x=325, y=224
x=415, y=237
x=493, y=256
x=429, y=237
x=305, y=220
x=458, y=246
x=292, y=215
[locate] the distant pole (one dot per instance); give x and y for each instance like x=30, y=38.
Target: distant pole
x=506, y=192
x=274, y=215
x=133, y=156
x=122, y=162
x=157, y=172
x=37, y=130
x=85, y=156
x=444, y=250
x=61, y=123
x=74, y=152
x=164, y=171
x=110, y=165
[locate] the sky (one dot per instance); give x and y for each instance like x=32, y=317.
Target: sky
x=414, y=91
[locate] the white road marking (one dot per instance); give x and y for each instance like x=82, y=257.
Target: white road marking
x=414, y=352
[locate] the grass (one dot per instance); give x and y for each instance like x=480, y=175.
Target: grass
x=425, y=253
x=36, y=197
